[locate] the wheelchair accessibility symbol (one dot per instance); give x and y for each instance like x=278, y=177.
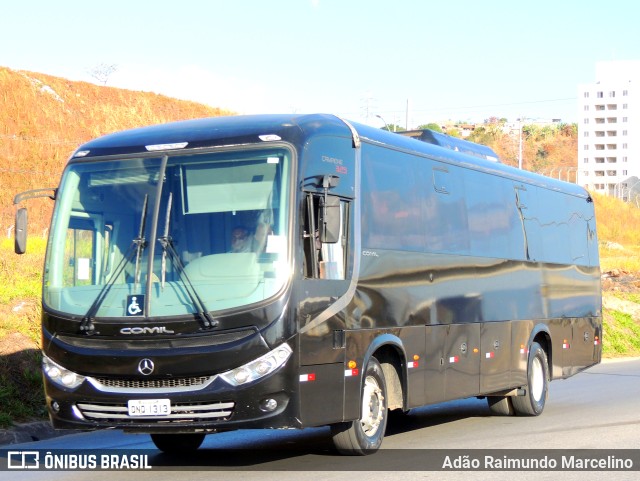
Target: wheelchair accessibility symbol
x=135, y=305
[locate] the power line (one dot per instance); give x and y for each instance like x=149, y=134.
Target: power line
x=446, y=108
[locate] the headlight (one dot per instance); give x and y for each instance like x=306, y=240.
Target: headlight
x=258, y=367
x=59, y=375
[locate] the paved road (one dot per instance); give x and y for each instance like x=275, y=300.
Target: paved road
x=596, y=409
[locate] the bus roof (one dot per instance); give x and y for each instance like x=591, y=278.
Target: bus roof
x=296, y=129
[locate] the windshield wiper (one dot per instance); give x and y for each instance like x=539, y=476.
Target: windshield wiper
x=140, y=241
x=168, y=249
x=136, y=248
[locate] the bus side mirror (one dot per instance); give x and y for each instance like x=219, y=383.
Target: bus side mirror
x=329, y=220
x=21, y=231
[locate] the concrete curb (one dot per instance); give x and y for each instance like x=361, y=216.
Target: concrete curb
x=29, y=432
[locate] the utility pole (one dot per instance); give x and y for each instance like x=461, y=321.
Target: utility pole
x=521, y=120
x=406, y=120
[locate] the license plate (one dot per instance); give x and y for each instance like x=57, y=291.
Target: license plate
x=149, y=407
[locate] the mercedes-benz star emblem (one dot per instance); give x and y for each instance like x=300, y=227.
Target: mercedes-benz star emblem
x=145, y=367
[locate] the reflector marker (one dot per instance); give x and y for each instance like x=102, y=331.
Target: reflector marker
x=566, y=345
x=412, y=364
x=490, y=355
x=351, y=372
x=453, y=359
x=307, y=377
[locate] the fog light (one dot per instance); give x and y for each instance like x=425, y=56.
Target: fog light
x=55, y=406
x=268, y=405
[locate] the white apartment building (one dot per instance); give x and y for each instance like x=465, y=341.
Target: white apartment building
x=609, y=130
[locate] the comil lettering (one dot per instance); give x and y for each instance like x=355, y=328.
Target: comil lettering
x=146, y=330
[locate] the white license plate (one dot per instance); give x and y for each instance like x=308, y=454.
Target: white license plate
x=149, y=407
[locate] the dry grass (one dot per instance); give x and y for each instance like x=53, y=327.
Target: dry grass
x=44, y=118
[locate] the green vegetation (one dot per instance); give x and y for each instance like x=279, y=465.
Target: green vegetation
x=621, y=336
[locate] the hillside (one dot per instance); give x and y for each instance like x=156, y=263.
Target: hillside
x=547, y=150
x=44, y=118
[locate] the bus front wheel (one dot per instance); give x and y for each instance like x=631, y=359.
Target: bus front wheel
x=364, y=435
x=177, y=443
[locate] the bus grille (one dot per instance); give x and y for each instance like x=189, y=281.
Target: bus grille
x=180, y=412
x=110, y=384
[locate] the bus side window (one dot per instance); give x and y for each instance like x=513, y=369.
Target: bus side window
x=323, y=260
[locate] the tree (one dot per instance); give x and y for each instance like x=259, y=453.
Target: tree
x=430, y=126
x=102, y=72
x=393, y=128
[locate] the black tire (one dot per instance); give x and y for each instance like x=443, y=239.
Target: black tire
x=500, y=405
x=364, y=435
x=178, y=443
x=537, y=388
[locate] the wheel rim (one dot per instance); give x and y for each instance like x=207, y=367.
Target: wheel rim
x=537, y=379
x=372, y=406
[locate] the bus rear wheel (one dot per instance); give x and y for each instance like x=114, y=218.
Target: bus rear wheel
x=178, y=443
x=500, y=405
x=364, y=435
x=537, y=389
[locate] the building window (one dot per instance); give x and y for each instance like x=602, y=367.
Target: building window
x=612, y=133
x=600, y=120
x=599, y=107
x=624, y=158
x=586, y=95
x=612, y=146
x=612, y=93
x=624, y=146
x=624, y=119
x=624, y=172
x=599, y=160
x=625, y=93
x=612, y=107
x=624, y=132
x=625, y=106
x=599, y=95
x=611, y=160
x=585, y=173
x=612, y=173
x=585, y=160
x=586, y=108
x=599, y=146
x=599, y=173
x=586, y=121
x=612, y=120
x=586, y=134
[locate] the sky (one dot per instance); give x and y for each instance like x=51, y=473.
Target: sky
x=404, y=62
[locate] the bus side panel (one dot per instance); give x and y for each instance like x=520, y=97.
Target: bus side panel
x=561, y=339
x=435, y=365
x=413, y=340
x=462, y=360
x=520, y=335
x=321, y=394
x=495, y=356
x=586, y=350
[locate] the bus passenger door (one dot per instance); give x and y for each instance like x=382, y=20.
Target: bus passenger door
x=322, y=331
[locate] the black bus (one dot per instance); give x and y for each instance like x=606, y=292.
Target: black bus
x=295, y=271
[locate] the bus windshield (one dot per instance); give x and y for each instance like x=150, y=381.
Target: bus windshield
x=169, y=236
